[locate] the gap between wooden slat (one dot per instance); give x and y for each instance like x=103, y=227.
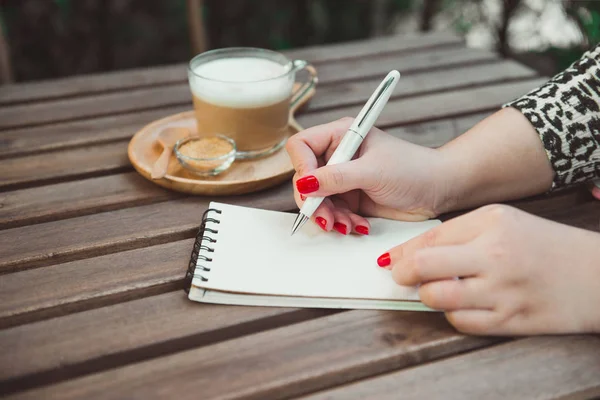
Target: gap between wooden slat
x=164, y=75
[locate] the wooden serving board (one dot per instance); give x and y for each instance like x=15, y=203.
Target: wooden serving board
x=244, y=176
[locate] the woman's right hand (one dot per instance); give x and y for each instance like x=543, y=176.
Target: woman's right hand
x=388, y=178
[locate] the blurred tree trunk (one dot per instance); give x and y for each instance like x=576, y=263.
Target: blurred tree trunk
x=378, y=8
x=6, y=75
x=104, y=35
x=430, y=8
x=196, y=25
x=509, y=7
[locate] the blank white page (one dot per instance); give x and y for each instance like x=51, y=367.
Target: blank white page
x=255, y=253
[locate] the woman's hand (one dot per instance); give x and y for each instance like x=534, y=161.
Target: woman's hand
x=520, y=274
x=388, y=178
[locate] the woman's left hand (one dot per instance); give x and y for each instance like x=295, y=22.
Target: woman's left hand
x=520, y=274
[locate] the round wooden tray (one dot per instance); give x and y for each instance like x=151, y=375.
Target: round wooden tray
x=244, y=176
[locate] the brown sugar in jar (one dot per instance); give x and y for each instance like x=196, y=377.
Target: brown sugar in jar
x=206, y=155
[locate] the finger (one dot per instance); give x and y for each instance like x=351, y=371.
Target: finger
x=456, y=231
x=357, y=223
x=447, y=295
x=323, y=216
x=343, y=223
x=306, y=146
x=430, y=264
x=476, y=322
x=335, y=179
x=360, y=224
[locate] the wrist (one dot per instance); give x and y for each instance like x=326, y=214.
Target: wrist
x=454, y=182
x=499, y=159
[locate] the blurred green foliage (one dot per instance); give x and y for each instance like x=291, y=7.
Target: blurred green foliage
x=51, y=38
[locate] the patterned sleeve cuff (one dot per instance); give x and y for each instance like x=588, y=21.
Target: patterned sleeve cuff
x=565, y=112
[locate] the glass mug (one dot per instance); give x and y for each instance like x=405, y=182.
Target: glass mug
x=246, y=94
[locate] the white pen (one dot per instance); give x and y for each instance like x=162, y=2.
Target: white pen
x=352, y=139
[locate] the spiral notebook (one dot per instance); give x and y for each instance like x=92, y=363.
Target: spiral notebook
x=246, y=256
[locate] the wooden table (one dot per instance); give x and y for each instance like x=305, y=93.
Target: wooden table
x=92, y=256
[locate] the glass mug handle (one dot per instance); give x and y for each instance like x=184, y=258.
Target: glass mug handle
x=307, y=86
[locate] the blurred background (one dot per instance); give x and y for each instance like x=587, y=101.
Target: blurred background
x=44, y=39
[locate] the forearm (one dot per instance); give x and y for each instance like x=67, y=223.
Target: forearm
x=547, y=139
x=499, y=159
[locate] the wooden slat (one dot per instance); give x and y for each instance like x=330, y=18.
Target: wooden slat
x=141, y=99
x=282, y=362
x=83, y=162
x=124, y=80
x=435, y=106
x=93, y=282
x=93, y=235
x=23, y=172
x=420, y=82
x=534, y=368
x=434, y=134
x=27, y=141
x=77, y=133
x=81, y=343
x=81, y=197
x=377, y=46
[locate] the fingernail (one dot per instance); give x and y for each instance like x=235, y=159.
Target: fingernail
x=322, y=222
x=363, y=230
x=341, y=228
x=308, y=184
x=302, y=197
x=384, y=260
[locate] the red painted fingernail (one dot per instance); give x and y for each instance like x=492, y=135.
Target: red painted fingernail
x=363, y=230
x=302, y=197
x=384, y=260
x=341, y=228
x=308, y=184
x=322, y=222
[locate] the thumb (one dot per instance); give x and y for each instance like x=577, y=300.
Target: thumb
x=333, y=179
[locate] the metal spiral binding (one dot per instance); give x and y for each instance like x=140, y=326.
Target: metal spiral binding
x=201, y=237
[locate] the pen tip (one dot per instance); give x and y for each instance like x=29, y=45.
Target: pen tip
x=300, y=220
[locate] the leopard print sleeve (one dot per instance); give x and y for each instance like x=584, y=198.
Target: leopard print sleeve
x=565, y=111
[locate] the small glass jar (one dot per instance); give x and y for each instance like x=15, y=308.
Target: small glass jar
x=206, y=155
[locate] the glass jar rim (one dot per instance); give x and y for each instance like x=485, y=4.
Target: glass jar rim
x=288, y=66
x=224, y=156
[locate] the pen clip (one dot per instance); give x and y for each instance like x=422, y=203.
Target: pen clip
x=376, y=98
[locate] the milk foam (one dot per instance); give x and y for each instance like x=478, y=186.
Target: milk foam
x=240, y=89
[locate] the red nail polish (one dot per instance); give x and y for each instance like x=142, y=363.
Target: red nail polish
x=384, y=260
x=322, y=222
x=363, y=230
x=302, y=197
x=341, y=228
x=308, y=184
